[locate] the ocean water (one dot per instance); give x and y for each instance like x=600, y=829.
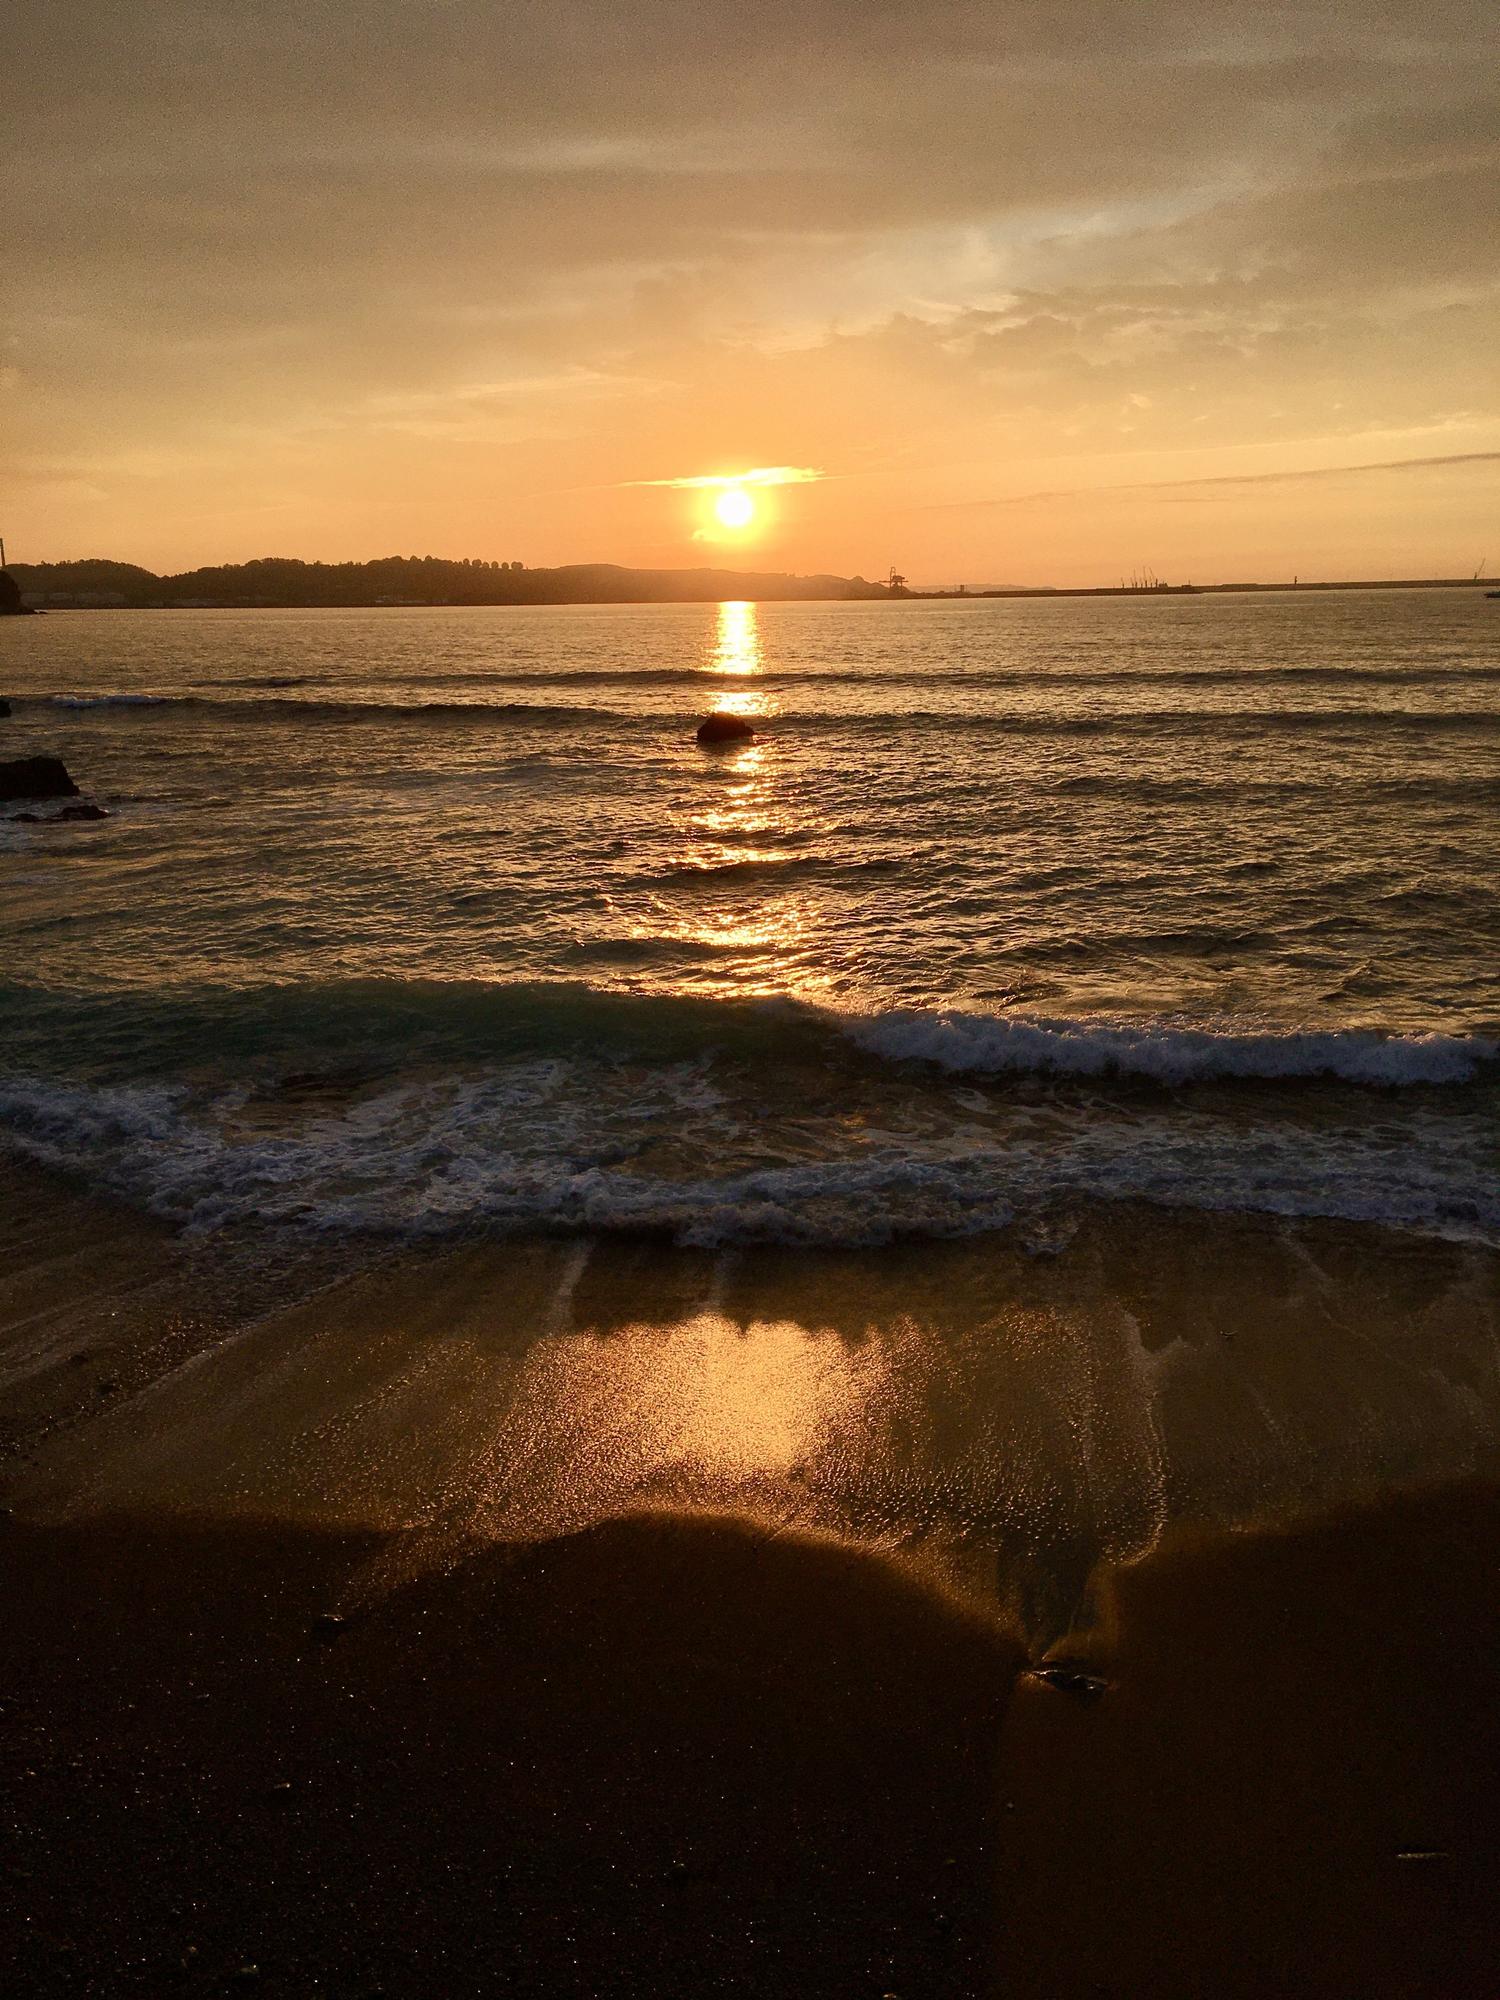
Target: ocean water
x=431, y=922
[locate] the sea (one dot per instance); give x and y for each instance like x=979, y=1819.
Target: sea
x=412, y=924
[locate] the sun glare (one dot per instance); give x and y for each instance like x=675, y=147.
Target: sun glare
x=734, y=508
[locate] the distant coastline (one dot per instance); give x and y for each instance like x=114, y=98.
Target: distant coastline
x=281, y=583
x=1157, y=590
x=431, y=582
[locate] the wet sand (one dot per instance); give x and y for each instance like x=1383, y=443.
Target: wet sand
x=681, y=1611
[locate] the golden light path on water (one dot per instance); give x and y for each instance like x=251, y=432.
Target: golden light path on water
x=737, y=651
x=758, y=931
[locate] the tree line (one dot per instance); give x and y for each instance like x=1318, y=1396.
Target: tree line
x=412, y=580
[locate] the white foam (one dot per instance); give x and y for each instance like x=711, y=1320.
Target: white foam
x=550, y=1146
x=987, y=1044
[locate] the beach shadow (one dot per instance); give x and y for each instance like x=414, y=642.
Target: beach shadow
x=661, y=1757
x=1287, y=1787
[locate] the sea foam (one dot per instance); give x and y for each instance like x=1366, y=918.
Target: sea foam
x=993, y=1045
x=557, y=1145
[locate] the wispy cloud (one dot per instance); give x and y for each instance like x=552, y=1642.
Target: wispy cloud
x=1293, y=473
x=758, y=475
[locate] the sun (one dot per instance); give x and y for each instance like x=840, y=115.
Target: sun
x=734, y=508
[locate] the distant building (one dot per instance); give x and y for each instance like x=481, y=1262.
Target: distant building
x=76, y=600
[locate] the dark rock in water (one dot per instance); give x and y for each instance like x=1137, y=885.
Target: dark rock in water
x=36, y=778
x=10, y=598
x=725, y=729
x=1076, y=1681
x=85, y=809
x=4, y=706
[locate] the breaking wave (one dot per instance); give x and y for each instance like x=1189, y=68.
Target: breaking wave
x=1153, y=723
x=394, y=1021
x=423, y=1109
x=539, y=1148
x=992, y=1045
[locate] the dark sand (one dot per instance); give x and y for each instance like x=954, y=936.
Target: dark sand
x=678, y=1757
x=670, y=1752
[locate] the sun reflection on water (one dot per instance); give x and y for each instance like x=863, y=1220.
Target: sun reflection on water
x=741, y=909
x=737, y=655
x=737, y=640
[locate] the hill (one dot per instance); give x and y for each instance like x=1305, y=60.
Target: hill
x=414, y=580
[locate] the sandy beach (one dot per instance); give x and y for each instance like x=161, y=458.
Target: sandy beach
x=602, y=1619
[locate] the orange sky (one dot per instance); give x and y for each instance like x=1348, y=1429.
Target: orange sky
x=1048, y=293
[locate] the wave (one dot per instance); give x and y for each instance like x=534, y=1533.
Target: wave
x=305, y=709
x=251, y=1030
x=770, y=869
x=555, y=1147
x=964, y=678
x=1470, y=790
x=269, y=681
x=783, y=677
x=400, y=1022
x=98, y=700
x=1157, y=723
x=1154, y=723
x=420, y=1108
x=991, y=1045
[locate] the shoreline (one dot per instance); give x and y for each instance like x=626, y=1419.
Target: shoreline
x=603, y=1619
x=1067, y=1389
x=1157, y=591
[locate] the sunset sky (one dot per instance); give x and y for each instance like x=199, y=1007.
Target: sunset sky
x=1043, y=293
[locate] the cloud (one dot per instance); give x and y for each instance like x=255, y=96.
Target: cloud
x=1281, y=477
x=456, y=271
x=758, y=475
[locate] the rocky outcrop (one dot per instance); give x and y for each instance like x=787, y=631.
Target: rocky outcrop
x=10, y=598
x=714, y=729
x=36, y=778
